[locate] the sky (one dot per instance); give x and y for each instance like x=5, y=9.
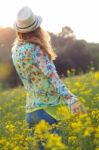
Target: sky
x=81, y=15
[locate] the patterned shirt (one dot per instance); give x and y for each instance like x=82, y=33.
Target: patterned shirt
x=40, y=79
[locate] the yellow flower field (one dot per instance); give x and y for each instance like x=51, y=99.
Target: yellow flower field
x=77, y=132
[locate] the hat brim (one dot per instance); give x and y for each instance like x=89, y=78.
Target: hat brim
x=34, y=26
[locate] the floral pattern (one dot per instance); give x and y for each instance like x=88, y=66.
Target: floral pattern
x=39, y=77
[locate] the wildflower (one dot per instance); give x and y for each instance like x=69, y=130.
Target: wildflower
x=77, y=84
x=72, y=139
x=63, y=113
x=10, y=127
x=88, y=131
x=16, y=148
x=42, y=127
x=96, y=75
x=54, y=142
x=76, y=125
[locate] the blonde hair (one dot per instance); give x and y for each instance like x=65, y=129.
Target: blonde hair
x=39, y=37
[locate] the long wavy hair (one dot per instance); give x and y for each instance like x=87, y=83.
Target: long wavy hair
x=38, y=37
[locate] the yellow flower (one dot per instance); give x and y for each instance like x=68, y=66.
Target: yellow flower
x=3, y=141
x=97, y=132
x=88, y=131
x=42, y=127
x=16, y=148
x=72, y=139
x=96, y=75
x=10, y=127
x=63, y=113
x=77, y=84
x=76, y=125
x=54, y=142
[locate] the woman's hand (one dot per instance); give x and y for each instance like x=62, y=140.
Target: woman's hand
x=78, y=107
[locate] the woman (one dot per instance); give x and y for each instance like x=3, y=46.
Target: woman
x=33, y=57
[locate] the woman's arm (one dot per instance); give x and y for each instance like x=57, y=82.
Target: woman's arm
x=49, y=70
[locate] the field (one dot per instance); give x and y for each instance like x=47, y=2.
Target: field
x=78, y=132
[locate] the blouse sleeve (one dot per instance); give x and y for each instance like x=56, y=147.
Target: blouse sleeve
x=48, y=69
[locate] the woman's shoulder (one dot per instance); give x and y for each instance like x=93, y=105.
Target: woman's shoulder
x=23, y=46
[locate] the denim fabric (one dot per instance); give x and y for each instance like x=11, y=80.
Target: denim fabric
x=36, y=116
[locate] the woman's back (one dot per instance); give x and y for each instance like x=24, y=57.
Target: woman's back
x=36, y=72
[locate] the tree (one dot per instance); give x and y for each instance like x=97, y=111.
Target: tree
x=67, y=32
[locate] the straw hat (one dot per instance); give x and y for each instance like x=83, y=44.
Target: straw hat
x=26, y=20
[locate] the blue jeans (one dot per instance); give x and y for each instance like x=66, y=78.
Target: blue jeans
x=34, y=117
x=38, y=115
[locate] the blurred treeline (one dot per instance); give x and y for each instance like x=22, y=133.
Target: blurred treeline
x=73, y=54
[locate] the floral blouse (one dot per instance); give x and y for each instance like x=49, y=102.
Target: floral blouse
x=39, y=77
